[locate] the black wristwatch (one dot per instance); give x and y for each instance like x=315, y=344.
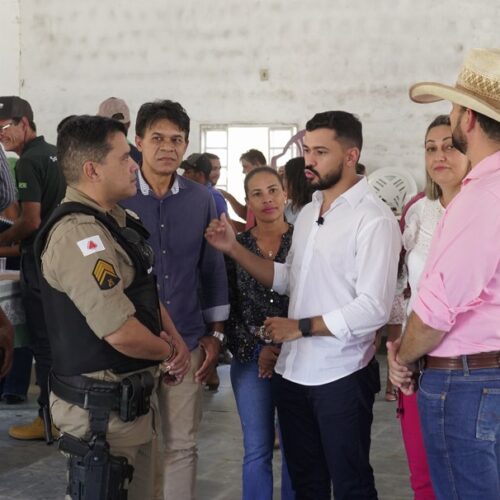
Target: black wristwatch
x=305, y=327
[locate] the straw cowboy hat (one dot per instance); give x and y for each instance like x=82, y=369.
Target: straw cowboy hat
x=477, y=87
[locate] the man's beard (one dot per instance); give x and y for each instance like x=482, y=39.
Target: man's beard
x=459, y=140
x=326, y=182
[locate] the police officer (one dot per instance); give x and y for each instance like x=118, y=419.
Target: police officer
x=107, y=330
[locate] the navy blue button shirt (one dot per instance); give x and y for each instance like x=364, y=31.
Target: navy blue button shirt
x=220, y=202
x=191, y=274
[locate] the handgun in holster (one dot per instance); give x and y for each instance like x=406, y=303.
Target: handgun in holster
x=95, y=474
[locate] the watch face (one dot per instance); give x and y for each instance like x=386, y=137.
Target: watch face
x=305, y=327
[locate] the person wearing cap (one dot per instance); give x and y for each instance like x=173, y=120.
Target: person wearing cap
x=41, y=186
x=192, y=281
x=454, y=328
x=116, y=108
x=197, y=167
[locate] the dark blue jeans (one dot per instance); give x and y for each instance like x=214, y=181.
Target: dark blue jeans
x=460, y=416
x=326, y=435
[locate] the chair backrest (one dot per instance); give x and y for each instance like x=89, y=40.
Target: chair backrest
x=297, y=139
x=394, y=186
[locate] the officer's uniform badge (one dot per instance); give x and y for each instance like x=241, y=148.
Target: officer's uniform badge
x=105, y=275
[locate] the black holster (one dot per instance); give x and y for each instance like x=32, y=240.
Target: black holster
x=95, y=474
x=130, y=398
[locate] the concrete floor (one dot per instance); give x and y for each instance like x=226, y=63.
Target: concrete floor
x=35, y=471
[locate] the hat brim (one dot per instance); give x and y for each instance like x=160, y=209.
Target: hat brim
x=427, y=92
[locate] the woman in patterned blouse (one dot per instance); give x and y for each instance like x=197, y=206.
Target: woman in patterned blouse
x=254, y=360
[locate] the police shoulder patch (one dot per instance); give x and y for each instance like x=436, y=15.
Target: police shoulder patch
x=105, y=275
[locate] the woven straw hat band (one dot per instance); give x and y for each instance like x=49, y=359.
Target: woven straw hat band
x=481, y=86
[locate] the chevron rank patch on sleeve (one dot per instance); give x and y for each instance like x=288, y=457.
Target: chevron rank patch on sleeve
x=105, y=275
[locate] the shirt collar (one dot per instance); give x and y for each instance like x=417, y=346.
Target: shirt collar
x=484, y=168
x=354, y=195
x=117, y=212
x=34, y=142
x=146, y=190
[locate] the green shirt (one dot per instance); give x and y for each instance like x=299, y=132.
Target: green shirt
x=39, y=179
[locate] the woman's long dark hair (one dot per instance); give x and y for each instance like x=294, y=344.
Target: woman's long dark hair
x=298, y=189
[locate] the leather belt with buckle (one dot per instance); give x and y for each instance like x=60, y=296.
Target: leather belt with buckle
x=470, y=361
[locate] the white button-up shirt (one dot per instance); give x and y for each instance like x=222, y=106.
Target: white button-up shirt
x=345, y=271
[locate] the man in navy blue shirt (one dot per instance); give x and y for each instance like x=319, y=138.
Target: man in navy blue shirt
x=191, y=277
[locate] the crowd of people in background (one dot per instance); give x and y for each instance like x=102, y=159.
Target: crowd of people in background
x=135, y=280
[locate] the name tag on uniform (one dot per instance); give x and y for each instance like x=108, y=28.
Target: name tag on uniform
x=91, y=245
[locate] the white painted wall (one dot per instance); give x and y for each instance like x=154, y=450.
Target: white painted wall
x=9, y=47
x=357, y=55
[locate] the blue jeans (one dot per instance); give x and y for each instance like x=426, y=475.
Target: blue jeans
x=460, y=416
x=256, y=409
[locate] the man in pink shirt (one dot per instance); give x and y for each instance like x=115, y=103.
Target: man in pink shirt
x=455, y=324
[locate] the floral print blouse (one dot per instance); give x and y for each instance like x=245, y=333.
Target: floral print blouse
x=251, y=303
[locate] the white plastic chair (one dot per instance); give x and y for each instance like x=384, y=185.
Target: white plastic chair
x=394, y=186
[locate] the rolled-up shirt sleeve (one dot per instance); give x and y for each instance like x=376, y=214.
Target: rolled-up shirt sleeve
x=281, y=279
x=461, y=263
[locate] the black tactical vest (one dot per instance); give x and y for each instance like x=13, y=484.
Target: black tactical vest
x=75, y=347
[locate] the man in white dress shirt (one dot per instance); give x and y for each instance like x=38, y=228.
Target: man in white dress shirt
x=341, y=277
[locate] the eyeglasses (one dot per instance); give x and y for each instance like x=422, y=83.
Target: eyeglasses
x=3, y=128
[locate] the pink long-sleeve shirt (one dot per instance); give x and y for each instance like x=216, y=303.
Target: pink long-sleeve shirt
x=459, y=292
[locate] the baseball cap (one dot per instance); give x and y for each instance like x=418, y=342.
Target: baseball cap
x=199, y=162
x=15, y=107
x=115, y=108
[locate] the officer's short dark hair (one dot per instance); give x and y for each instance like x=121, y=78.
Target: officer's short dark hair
x=346, y=126
x=84, y=138
x=151, y=112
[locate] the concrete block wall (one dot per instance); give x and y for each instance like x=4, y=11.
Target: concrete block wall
x=356, y=55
